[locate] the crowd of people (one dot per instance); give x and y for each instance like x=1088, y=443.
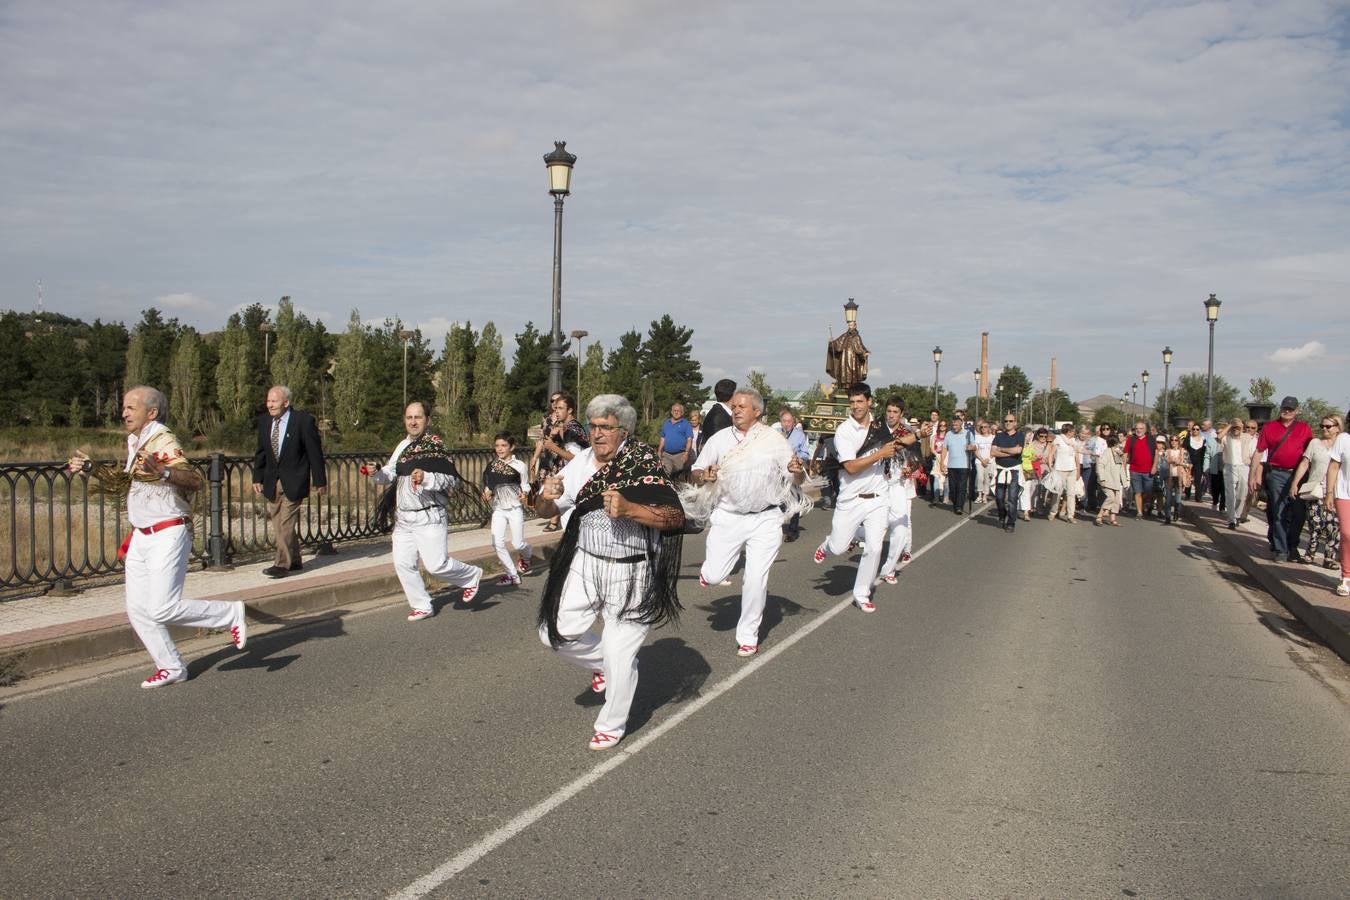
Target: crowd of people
x=623, y=506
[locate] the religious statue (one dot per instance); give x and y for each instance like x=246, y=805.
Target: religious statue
x=845, y=356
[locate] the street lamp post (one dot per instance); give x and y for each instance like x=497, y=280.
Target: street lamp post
x=1167, y=371
x=559, y=164
x=937, y=366
x=1211, y=316
x=1018, y=407
x=977, y=394
x=406, y=335
x=267, y=328
x=1125, y=402
x=1134, y=393
x=577, y=335
x=1143, y=376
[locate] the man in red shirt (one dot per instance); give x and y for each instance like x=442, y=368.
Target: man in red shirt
x=1283, y=441
x=1139, y=454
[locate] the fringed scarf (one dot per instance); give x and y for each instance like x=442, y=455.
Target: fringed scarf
x=502, y=479
x=427, y=453
x=635, y=472
x=573, y=433
x=753, y=475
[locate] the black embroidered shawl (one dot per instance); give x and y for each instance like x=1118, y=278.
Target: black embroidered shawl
x=635, y=472
x=427, y=453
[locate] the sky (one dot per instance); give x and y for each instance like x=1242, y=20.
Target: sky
x=1074, y=178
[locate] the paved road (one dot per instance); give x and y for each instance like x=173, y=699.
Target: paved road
x=1066, y=711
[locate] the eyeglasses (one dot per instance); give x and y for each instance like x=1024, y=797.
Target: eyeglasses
x=1009, y=421
x=605, y=429
x=1328, y=424
x=1253, y=427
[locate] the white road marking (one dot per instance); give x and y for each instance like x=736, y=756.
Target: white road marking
x=625, y=751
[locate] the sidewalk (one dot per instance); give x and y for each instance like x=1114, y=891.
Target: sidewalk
x=1308, y=592
x=39, y=634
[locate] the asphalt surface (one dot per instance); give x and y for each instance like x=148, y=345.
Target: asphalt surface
x=1064, y=712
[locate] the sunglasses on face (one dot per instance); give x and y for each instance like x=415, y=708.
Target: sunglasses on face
x=1328, y=424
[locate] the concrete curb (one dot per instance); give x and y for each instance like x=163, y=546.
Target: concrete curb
x=1325, y=614
x=42, y=650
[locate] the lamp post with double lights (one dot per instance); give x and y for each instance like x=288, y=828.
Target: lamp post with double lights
x=937, y=367
x=577, y=335
x=1143, y=376
x=1167, y=372
x=407, y=336
x=559, y=164
x=1211, y=316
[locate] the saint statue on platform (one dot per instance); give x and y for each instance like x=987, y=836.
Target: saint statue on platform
x=845, y=356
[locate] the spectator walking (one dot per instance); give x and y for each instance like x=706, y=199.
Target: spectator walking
x=1214, y=466
x=1177, y=477
x=796, y=438
x=1238, y=447
x=1284, y=441
x=719, y=414
x=1139, y=452
x=1113, y=477
x=900, y=490
x=958, y=461
x=1006, y=451
x=1065, y=457
x=1092, y=447
x=938, y=484
x=676, y=437
x=1197, y=447
x=984, y=461
x=1308, y=487
x=1337, y=500
x=288, y=459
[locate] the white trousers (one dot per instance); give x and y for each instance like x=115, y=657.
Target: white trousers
x=515, y=520
x=759, y=535
x=156, y=566
x=983, y=482
x=427, y=542
x=899, y=532
x=1235, y=490
x=614, y=650
x=871, y=514
x=1028, y=491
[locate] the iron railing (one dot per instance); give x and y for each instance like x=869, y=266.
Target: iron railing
x=57, y=527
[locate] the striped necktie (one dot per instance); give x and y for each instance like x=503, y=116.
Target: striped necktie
x=276, y=438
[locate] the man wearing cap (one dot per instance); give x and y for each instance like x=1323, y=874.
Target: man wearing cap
x=1283, y=441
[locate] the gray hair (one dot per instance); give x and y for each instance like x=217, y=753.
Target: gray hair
x=153, y=398
x=604, y=405
x=755, y=396
x=285, y=391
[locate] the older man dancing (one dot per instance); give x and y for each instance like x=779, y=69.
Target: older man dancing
x=619, y=559
x=749, y=474
x=157, y=480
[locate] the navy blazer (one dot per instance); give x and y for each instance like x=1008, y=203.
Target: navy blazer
x=301, y=457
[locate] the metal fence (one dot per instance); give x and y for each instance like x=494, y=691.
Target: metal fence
x=59, y=527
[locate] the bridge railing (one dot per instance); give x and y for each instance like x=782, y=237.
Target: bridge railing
x=57, y=527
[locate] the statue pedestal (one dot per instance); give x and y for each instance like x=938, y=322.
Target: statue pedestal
x=824, y=417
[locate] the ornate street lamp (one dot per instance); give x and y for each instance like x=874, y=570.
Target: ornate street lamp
x=977, y=394
x=850, y=312
x=937, y=366
x=559, y=164
x=1134, y=393
x=407, y=336
x=1143, y=376
x=577, y=335
x=1211, y=316
x=1167, y=373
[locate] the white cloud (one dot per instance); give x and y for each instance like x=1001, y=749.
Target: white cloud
x=1287, y=357
x=183, y=302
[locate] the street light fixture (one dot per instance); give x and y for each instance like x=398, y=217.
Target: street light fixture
x=559, y=164
x=937, y=365
x=1143, y=376
x=267, y=328
x=1134, y=393
x=1211, y=316
x=406, y=335
x=977, y=393
x=577, y=335
x=1167, y=372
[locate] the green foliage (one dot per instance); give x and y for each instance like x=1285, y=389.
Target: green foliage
x=290, y=363
x=918, y=399
x=489, y=382
x=1314, y=409
x=185, y=384
x=16, y=370
x=153, y=339
x=350, y=371
x=58, y=372
x=1111, y=415
x=527, y=384
x=455, y=385
x=668, y=369
x=1188, y=398
x=594, y=378
x=623, y=368
x=233, y=374
x=1262, y=389
x=1012, y=383
x=106, y=356
x=1049, y=407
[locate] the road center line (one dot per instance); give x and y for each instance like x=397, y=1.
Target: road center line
x=626, y=750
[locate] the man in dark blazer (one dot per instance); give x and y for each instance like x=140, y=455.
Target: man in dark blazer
x=718, y=415
x=288, y=458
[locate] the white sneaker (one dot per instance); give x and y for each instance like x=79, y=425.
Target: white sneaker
x=162, y=678
x=239, y=632
x=418, y=615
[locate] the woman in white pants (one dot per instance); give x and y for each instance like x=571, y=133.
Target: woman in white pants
x=504, y=482
x=1238, y=447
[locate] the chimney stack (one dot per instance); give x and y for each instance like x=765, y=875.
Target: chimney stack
x=1053, y=382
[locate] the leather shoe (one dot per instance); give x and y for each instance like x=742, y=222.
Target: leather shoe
x=276, y=572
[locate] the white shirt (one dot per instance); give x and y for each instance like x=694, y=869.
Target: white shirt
x=718, y=446
x=507, y=496
x=423, y=504
x=598, y=534
x=982, y=444
x=149, y=502
x=848, y=439
x=1066, y=454
x=1340, y=452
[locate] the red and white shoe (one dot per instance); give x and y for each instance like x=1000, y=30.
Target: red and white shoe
x=418, y=615
x=239, y=632
x=747, y=650
x=162, y=678
x=819, y=556
x=598, y=682
x=472, y=590
x=507, y=581
x=852, y=545
x=866, y=606
x=904, y=558
x=889, y=579
x=523, y=566
x=602, y=741
x=702, y=582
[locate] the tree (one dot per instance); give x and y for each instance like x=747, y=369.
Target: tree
x=527, y=384
x=756, y=381
x=1111, y=415
x=668, y=368
x=1262, y=389
x=918, y=399
x=254, y=316
x=156, y=346
x=594, y=379
x=106, y=355
x=1314, y=409
x=57, y=370
x=185, y=383
x=623, y=370
x=137, y=371
x=350, y=371
x=455, y=384
x=16, y=371
x=489, y=381
x=290, y=363
x=234, y=376
x=1049, y=407
x=1012, y=383
x=1187, y=398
